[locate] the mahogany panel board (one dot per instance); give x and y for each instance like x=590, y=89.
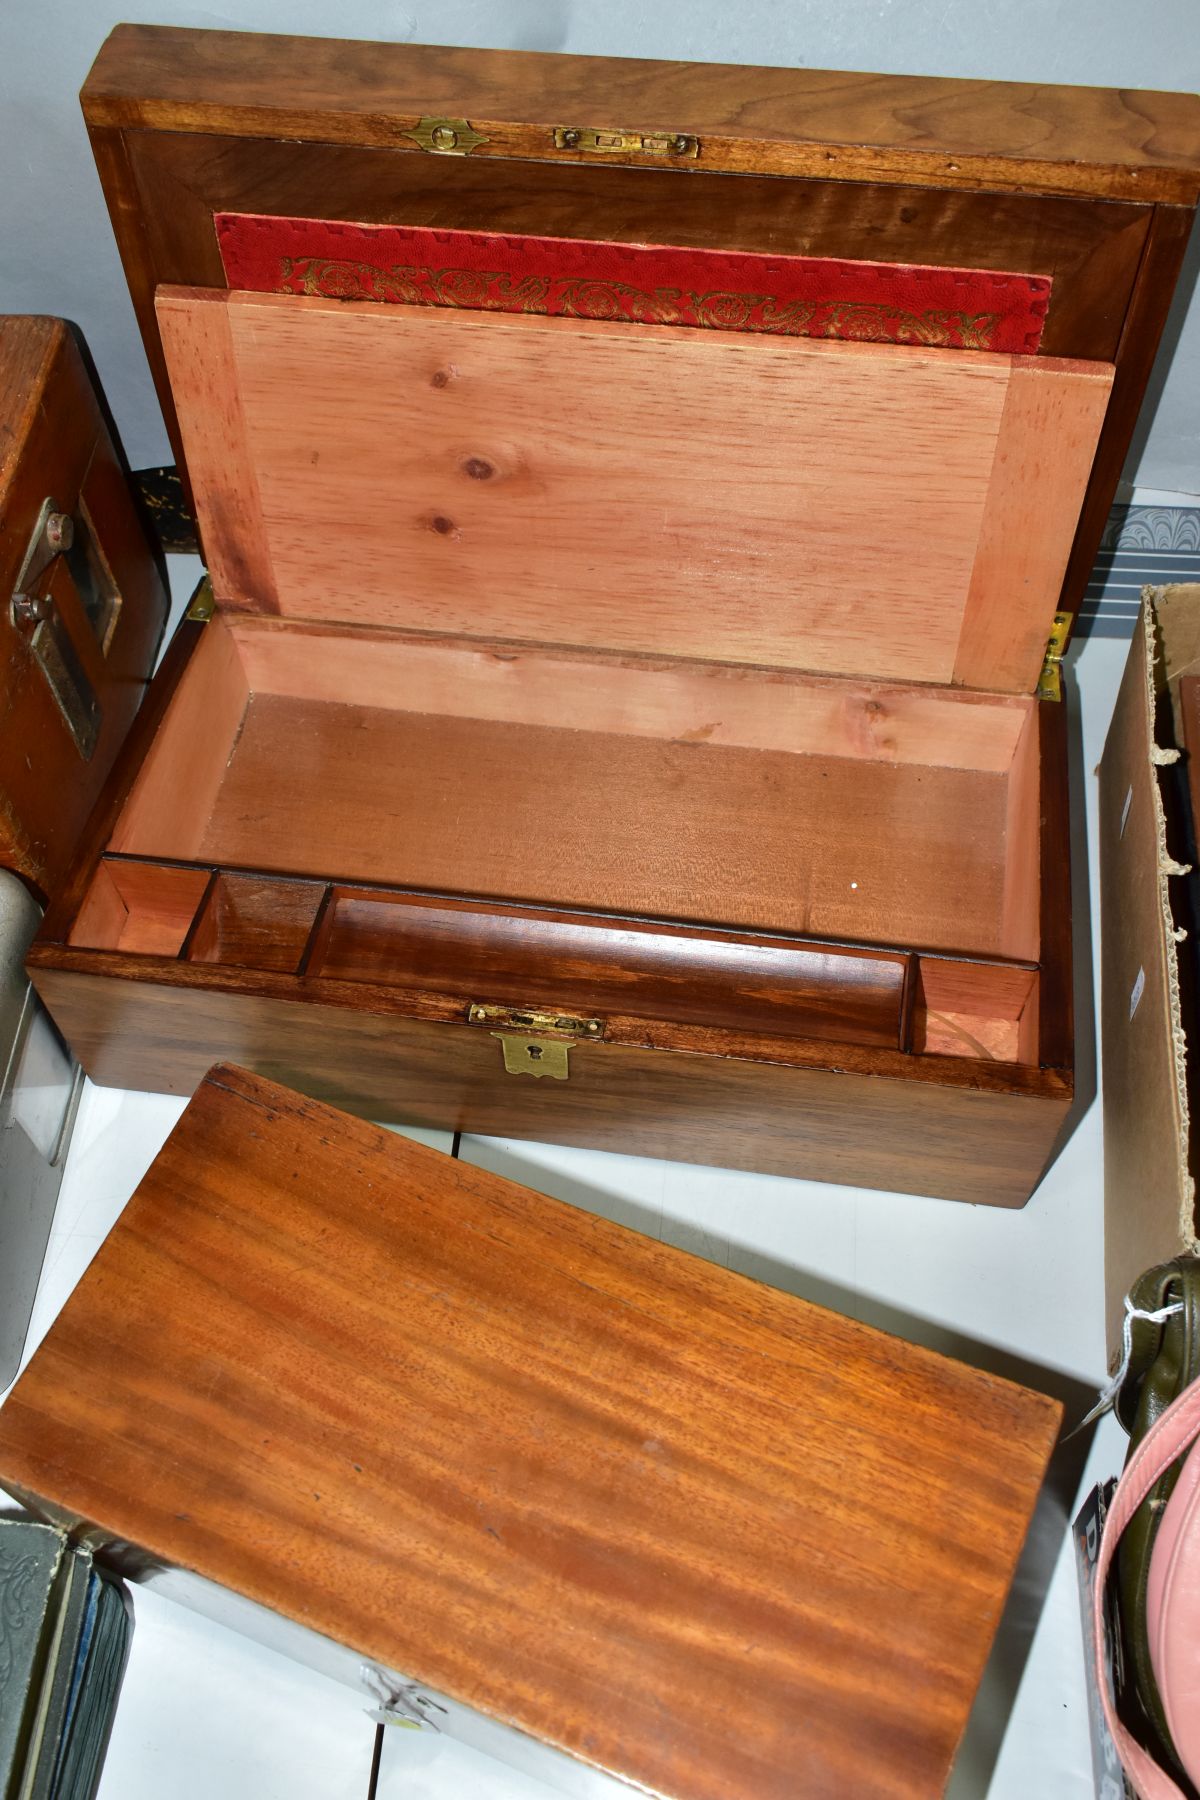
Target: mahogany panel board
x=982, y=1132
x=692, y=1531
x=806, y=504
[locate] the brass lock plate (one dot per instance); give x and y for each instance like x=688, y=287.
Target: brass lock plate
x=526, y=1050
x=534, y=1056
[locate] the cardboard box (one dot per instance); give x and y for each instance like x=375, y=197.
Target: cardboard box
x=1149, y=1183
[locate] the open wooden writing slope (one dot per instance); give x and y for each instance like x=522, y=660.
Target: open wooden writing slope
x=609, y=731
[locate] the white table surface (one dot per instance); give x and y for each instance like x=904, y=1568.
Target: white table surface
x=206, y=1713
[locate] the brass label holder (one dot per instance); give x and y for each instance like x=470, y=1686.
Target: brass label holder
x=535, y=1042
x=597, y=141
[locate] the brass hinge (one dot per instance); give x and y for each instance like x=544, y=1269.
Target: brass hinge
x=647, y=143
x=535, y=1042
x=203, y=603
x=448, y=137
x=1049, y=685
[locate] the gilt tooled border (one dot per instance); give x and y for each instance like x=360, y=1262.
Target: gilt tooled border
x=590, y=297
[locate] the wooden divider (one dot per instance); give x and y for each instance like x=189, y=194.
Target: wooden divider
x=775, y=986
x=594, y=964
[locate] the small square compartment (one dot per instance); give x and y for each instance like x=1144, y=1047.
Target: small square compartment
x=255, y=922
x=143, y=907
x=976, y=1009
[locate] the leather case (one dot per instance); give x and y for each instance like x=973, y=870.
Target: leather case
x=83, y=603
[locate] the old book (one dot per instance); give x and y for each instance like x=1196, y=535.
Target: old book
x=64, y=1639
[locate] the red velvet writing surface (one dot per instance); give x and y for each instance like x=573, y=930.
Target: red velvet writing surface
x=791, y=296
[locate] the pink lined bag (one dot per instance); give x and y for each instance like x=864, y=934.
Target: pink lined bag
x=1173, y=1593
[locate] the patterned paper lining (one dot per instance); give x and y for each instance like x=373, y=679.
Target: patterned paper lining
x=789, y=296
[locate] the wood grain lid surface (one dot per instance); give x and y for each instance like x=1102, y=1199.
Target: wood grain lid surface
x=831, y=124
x=691, y=1530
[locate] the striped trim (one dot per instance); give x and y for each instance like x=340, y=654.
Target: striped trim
x=1141, y=545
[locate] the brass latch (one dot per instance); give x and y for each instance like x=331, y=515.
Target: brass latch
x=648, y=143
x=1049, y=685
x=449, y=137
x=534, y=1042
